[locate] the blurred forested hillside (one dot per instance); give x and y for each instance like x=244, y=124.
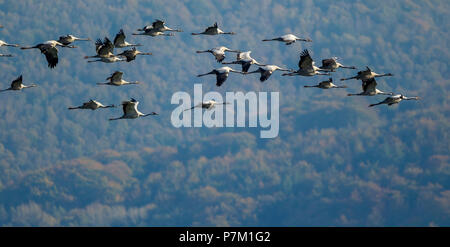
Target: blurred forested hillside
x=336, y=162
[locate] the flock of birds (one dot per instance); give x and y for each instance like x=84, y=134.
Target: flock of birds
x=105, y=53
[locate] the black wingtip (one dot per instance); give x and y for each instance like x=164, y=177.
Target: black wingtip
x=305, y=52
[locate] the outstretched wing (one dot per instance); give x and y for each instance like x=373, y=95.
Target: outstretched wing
x=328, y=62
x=129, y=107
x=130, y=57
x=120, y=38
x=306, y=62
x=369, y=85
x=211, y=28
x=246, y=66
x=265, y=75
x=64, y=40
x=221, y=78
x=98, y=45
x=364, y=72
x=219, y=56
x=105, y=47
x=17, y=82
x=116, y=76
x=109, y=45
x=125, y=106
x=87, y=104
x=325, y=84
x=51, y=54
x=158, y=24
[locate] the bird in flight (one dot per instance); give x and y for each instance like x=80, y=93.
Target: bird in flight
x=213, y=30
x=288, y=39
x=207, y=105
x=92, y=105
x=395, y=99
x=221, y=74
x=327, y=84
x=17, y=84
x=130, y=110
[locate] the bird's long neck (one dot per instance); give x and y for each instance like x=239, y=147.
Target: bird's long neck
x=317, y=73
x=145, y=53
x=349, y=78
x=275, y=39
x=209, y=73
x=148, y=114
x=239, y=72
x=356, y=94
x=204, y=51
x=123, y=82
x=290, y=74
x=74, y=108
x=234, y=62
x=381, y=75
x=383, y=93
x=311, y=86
x=281, y=69
x=104, y=83
x=173, y=30
x=257, y=63
x=410, y=98
x=347, y=67
x=29, y=47
x=32, y=85
x=66, y=46
x=375, y=104
x=87, y=57
x=255, y=71
x=108, y=106
x=112, y=119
